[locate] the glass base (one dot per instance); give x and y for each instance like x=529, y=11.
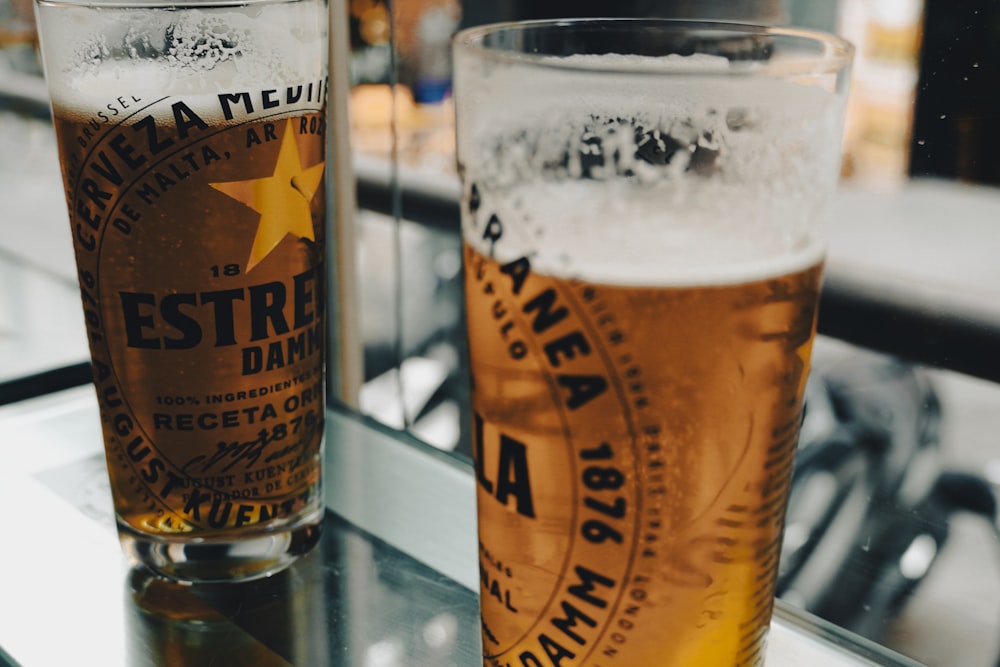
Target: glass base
x=252, y=555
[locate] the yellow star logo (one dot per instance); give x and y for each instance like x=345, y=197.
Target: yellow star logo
x=282, y=199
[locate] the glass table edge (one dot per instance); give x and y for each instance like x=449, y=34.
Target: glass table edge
x=455, y=552
x=377, y=479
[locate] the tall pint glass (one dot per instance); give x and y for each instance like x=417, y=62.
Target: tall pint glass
x=192, y=145
x=643, y=204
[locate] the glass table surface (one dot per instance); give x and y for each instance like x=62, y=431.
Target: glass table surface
x=394, y=581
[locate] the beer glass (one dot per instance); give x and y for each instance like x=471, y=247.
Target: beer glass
x=192, y=145
x=642, y=218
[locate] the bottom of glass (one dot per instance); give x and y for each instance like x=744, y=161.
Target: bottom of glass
x=238, y=557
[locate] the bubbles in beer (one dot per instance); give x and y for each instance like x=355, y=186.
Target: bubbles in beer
x=205, y=44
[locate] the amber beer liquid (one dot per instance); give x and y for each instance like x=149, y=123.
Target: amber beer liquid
x=633, y=448
x=194, y=181
x=642, y=215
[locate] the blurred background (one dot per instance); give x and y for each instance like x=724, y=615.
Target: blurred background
x=892, y=530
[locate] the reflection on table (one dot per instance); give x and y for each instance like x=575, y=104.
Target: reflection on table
x=352, y=601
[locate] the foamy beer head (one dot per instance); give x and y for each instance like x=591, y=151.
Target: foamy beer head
x=656, y=167
x=643, y=209
x=95, y=49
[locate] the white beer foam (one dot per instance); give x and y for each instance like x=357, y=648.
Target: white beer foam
x=94, y=55
x=670, y=63
x=743, y=195
x=608, y=235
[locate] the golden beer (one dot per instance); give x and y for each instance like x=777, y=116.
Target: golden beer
x=197, y=215
x=633, y=448
x=642, y=213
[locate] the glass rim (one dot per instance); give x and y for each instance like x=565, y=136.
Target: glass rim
x=834, y=55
